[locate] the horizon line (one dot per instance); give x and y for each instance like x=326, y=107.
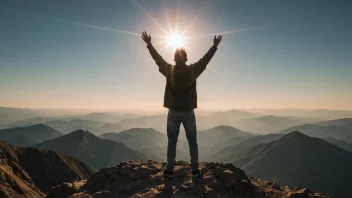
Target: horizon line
x=162, y=108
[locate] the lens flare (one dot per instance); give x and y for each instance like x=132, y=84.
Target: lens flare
x=175, y=40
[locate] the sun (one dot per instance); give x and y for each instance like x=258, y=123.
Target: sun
x=175, y=40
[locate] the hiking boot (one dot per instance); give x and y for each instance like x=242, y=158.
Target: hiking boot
x=196, y=174
x=168, y=174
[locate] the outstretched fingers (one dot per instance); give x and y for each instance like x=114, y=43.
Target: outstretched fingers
x=217, y=39
x=147, y=38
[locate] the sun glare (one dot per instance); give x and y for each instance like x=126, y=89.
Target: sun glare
x=175, y=40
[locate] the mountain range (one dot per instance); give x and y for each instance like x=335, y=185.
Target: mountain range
x=67, y=126
x=90, y=149
x=9, y=115
x=316, y=114
x=227, y=153
x=267, y=124
x=28, y=136
x=104, y=117
x=215, y=139
x=148, y=141
x=316, y=155
x=300, y=160
x=334, y=131
x=347, y=138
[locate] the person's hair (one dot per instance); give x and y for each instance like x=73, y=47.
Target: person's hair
x=180, y=55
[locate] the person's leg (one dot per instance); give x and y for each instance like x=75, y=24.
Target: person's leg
x=173, y=129
x=189, y=123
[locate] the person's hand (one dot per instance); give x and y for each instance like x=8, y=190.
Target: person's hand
x=147, y=39
x=217, y=40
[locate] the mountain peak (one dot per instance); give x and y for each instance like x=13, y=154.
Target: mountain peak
x=79, y=136
x=224, y=127
x=81, y=133
x=36, y=126
x=295, y=134
x=145, y=179
x=91, y=149
x=294, y=137
x=39, y=125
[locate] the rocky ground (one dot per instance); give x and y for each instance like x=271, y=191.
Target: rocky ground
x=137, y=179
x=30, y=172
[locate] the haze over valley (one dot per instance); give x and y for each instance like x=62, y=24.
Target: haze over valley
x=248, y=139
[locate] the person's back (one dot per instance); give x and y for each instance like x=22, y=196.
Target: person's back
x=181, y=99
x=180, y=89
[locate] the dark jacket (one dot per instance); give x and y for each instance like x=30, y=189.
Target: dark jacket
x=181, y=89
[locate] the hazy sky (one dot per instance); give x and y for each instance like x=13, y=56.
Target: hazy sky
x=79, y=54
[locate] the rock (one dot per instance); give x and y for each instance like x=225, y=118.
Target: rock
x=65, y=189
x=104, y=194
x=304, y=193
x=276, y=186
x=134, y=174
x=217, y=185
x=80, y=195
x=218, y=171
x=145, y=179
x=210, y=193
x=185, y=188
x=226, y=176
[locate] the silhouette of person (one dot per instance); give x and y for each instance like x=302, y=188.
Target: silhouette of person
x=181, y=99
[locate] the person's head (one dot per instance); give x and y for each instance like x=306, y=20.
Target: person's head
x=180, y=56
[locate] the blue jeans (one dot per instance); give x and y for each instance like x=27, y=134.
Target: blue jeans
x=174, y=120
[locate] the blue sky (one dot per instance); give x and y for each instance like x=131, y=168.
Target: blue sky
x=279, y=54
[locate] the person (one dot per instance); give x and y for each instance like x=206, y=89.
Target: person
x=181, y=99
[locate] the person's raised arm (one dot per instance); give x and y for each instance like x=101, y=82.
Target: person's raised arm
x=200, y=66
x=163, y=65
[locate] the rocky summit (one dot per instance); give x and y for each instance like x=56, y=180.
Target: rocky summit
x=138, y=179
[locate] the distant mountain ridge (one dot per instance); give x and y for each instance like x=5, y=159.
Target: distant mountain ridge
x=24, y=136
x=228, y=153
x=212, y=140
x=9, y=115
x=67, y=126
x=148, y=141
x=153, y=144
x=23, y=140
x=90, y=149
x=290, y=159
x=337, y=122
x=347, y=138
x=313, y=130
x=342, y=144
x=104, y=117
x=30, y=121
x=267, y=124
x=323, y=114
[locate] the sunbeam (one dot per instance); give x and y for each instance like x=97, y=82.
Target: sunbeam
x=149, y=17
x=105, y=28
x=178, y=17
x=194, y=20
x=167, y=20
x=223, y=33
